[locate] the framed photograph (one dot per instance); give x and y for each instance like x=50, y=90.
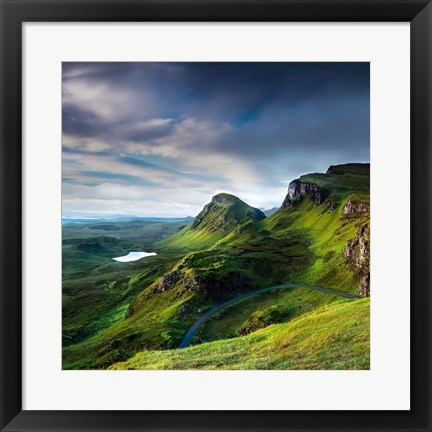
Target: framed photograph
x=215, y=215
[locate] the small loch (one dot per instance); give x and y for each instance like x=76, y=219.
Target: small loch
x=134, y=256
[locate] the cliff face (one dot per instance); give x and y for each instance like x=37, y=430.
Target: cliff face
x=297, y=190
x=348, y=184
x=355, y=207
x=357, y=253
x=202, y=214
x=210, y=285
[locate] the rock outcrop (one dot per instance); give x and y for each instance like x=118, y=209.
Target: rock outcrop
x=331, y=206
x=355, y=207
x=202, y=214
x=224, y=199
x=212, y=286
x=357, y=253
x=364, y=289
x=297, y=190
x=169, y=281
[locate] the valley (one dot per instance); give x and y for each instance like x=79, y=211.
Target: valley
x=284, y=290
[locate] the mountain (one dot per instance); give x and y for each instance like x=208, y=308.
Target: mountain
x=320, y=237
x=221, y=216
x=269, y=212
x=73, y=220
x=223, y=213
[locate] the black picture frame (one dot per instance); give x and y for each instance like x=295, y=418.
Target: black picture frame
x=16, y=12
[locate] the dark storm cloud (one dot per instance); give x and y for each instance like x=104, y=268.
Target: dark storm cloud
x=230, y=90
x=80, y=122
x=229, y=125
x=225, y=90
x=270, y=95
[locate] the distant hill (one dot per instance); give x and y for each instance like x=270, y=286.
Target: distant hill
x=269, y=212
x=72, y=220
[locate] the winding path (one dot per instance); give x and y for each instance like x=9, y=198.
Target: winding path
x=200, y=321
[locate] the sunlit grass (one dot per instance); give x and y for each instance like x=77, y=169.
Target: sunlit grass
x=334, y=337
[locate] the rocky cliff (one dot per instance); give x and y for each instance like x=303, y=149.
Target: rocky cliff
x=298, y=189
x=355, y=208
x=357, y=253
x=213, y=286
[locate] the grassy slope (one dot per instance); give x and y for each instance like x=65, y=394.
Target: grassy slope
x=97, y=291
x=93, y=303
x=259, y=310
x=334, y=337
x=326, y=234
x=326, y=231
x=153, y=327
x=265, y=258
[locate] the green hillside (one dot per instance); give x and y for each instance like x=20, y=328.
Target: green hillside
x=340, y=179
x=259, y=312
x=335, y=337
x=320, y=237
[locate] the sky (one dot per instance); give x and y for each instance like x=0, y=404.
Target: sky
x=160, y=139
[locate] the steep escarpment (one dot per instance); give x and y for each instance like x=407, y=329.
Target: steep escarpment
x=298, y=189
x=329, y=208
x=357, y=254
x=332, y=187
x=356, y=208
